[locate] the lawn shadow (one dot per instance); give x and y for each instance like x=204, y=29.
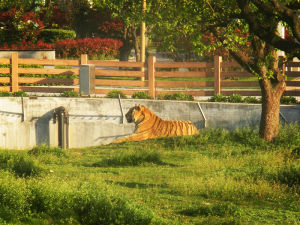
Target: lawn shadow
x=137, y=184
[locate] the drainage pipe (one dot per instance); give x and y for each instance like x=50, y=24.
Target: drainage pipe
x=62, y=117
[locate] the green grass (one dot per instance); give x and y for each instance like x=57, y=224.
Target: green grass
x=216, y=177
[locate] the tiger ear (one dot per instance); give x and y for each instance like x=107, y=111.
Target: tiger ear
x=137, y=107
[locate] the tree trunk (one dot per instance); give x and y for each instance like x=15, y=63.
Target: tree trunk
x=125, y=51
x=271, y=94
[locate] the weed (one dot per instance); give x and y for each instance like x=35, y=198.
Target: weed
x=115, y=94
x=176, y=96
x=132, y=158
x=235, y=98
x=46, y=149
x=5, y=94
x=250, y=99
x=20, y=94
x=288, y=100
x=141, y=95
x=70, y=93
x=218, y=98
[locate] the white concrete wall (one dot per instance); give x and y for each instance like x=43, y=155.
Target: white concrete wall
x=96, y=121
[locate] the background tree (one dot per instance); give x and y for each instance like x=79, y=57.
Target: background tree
x=230, y=24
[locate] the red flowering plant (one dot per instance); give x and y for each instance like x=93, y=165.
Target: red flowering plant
x=92, y=46
x=19, y=26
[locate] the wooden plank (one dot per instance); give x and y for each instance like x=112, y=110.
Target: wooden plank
x=54, y=62
x=4, y=61
x=236, y=74
x=295, y=92
x=183, y=65
x=193, y=93
x=122, y=83
x=151, y=76
x=119, y=73
x=184, y=74
x=14, y=72
x=217, y=74
x=4, y=79
x=293, y=73
x=47, y=89
x=230, y=64
x=293, y=83
x=104, y=63
x=37, y=80
x=5, y=70
x=293, y=64
x=240, y=84
x=49, y=71
x=242, y=92
x=5, y=88
x=186, y=84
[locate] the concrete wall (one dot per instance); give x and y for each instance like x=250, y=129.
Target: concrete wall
x=96, y=121
x=28, y=54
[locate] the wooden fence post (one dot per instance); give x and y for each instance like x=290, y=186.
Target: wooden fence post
x=151, y=76
x=217, y=72
x=14, y=72
x=83, y=59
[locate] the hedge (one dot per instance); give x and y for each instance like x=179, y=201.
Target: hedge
x=54, y=35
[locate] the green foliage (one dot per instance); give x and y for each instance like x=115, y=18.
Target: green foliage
x=70, y=93
x=141, y=95
x=216, y=177
x=115, y=94
x=20, y=165
x=5, y=94
x=288, y=100
x=133, y=158
x=20, y=94
x=46, y=149
x=53, y=35
x=235, y=98
x=218, y=98
x=250, y=99
x=176, y=96
x=13, y=198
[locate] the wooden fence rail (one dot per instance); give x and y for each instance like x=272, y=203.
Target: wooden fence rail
x=195, y=78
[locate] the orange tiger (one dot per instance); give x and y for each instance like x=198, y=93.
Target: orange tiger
x=149, y=125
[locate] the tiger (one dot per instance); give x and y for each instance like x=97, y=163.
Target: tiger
x=148, y=125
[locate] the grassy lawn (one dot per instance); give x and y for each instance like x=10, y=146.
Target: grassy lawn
x=216, y=177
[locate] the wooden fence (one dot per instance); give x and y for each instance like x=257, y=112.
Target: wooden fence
x=194, y=78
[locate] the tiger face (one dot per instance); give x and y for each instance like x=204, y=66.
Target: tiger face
x=135, y=114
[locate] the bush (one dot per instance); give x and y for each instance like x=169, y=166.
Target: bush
x=176, y=96
x=71, y=93
x=141, y=95
x=235, y=98
x=288, y=100
x=46, y=149
x=5, y=94
x=115, y=94
x=250, y=99
x=20, y=94
x=20, y=165
x=133, y=158
x=92, y=46
x=218, y=98
x=54, y=35
x=13, y=198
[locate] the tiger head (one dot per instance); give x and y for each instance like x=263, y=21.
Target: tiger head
x=135, y=114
